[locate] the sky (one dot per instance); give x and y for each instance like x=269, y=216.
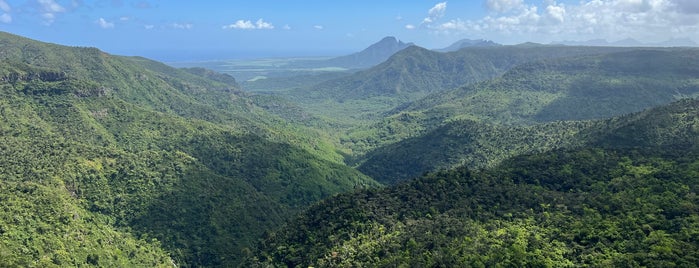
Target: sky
x=179, y=30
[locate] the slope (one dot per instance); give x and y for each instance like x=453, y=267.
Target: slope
x=171, y=163
x=573, y=88
x=601, y=205
x=419, y=71
x=360, y=99
x=448, y=129
x=468, y=143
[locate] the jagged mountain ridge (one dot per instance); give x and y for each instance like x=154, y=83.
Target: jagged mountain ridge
x=370, y=56
x=463, y=43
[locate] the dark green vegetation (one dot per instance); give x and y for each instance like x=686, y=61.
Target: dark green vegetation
x=123, y=161
x=482, y=123
x=118, y=161
x=626, y=198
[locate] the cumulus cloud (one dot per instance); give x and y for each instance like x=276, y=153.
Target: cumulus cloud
x=436, y=12
x=504, y=5
x=286, y=27
x=556, y=12
x=149, y=26
x=4, y=6
x=104, y=24
x=182, y=26
x=549, y=20
x=318, y=27
x=249, y=25
x=685, y=6
x=5, y=16
x=410, y=27
x=49, y=9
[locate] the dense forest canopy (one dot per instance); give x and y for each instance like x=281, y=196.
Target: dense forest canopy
x=489, y=155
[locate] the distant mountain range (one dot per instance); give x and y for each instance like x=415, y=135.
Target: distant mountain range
x=416, y=71
x=468, y=43
x=630, y=42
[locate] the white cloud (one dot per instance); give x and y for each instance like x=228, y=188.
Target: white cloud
x=318, y=27
x=104, y=24
x=5, y=18
x=504, y=5
x=240, y=24
x=551, y=20
x=248, y=25
x=4, y=6
x=436, y=12
x=453, y=25
x=264, y=25
x=149, y=26
x=556, y=12
x=49, y=9
x=410, y=27
x=182, y=26
x=685, y=6
x=287, y=27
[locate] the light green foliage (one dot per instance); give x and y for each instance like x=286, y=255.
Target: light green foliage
x=129, y=162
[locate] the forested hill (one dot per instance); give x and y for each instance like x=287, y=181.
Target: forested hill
x=520, y=111
x=123, y=161
x=414, y=72
x=479, y=145
x=571, y=88
x=606, y=204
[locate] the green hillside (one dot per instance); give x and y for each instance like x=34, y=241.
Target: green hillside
x=469, y=143
x=415, y=72
x=122, y=161
x=603, y=205
x=572, y=88
x=483, y=123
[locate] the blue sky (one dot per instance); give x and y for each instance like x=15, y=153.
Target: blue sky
x=188, y=30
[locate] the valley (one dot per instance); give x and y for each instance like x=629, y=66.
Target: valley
x=480, y=154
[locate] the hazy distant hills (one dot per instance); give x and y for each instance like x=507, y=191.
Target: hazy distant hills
x=417, y=71
x=370, y=56
x=468, y=43
x=629, y=42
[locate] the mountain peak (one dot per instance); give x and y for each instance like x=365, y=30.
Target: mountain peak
x=372, y=55
x=468, y=43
